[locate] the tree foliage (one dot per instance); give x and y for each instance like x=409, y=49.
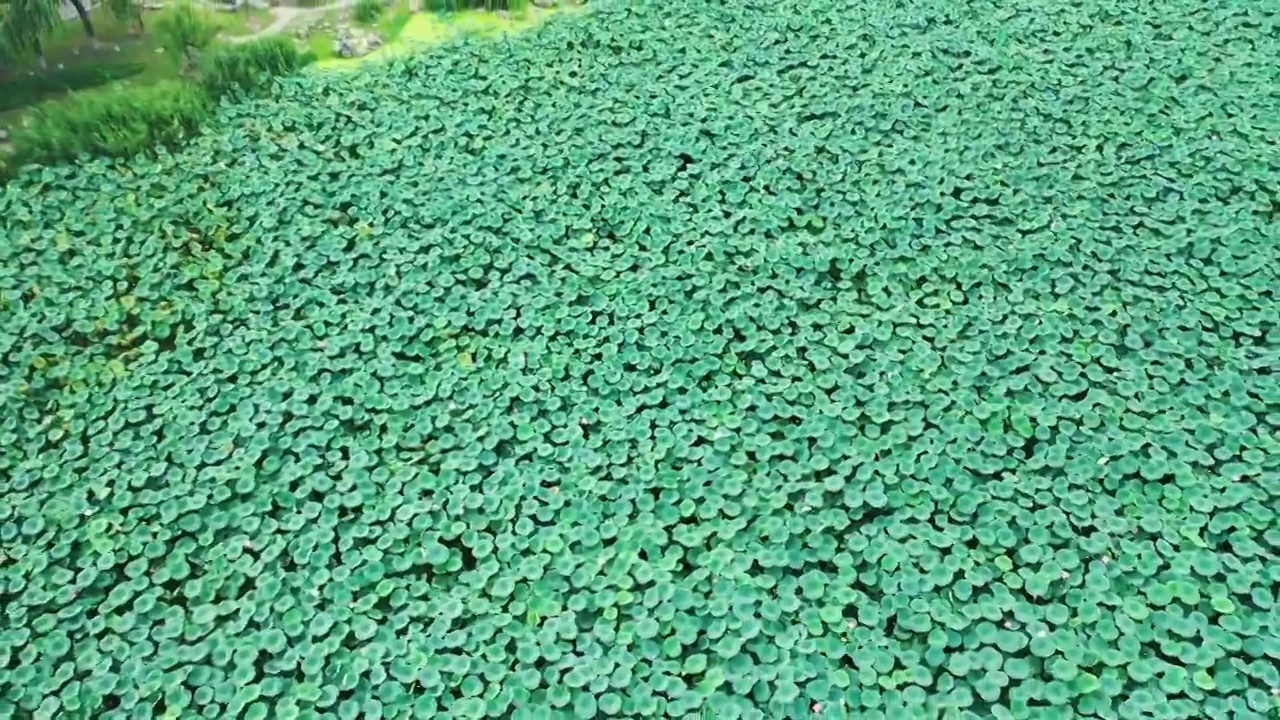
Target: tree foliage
x=185, y=31
x=25, y=23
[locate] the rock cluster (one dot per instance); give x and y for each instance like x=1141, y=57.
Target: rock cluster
x=353, y=42
x=306, y=30
x=349, y=41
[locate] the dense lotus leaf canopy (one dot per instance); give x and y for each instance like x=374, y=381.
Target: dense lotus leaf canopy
x=914, y=359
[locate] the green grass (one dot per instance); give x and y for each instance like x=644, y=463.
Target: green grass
x=62, y=44
x=69, y=47
x=321, y=45
x=404, y=32
x=401, y=32
x=232, y=24
x=390, y=25
x=25, y=90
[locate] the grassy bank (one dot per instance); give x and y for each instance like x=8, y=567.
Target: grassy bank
x=411, y=32
x=123, y=54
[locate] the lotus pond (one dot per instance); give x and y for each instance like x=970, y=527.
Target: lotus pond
x=896, y=359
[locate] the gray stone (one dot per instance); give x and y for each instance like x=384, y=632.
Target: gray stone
x=353, y=42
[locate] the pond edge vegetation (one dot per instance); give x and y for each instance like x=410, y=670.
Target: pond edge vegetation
x=129, y=119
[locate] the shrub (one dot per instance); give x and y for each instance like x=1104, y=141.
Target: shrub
x=26, y=90
x=186, y=29
x=248, y=66
x=367, y=12
x=113, y=123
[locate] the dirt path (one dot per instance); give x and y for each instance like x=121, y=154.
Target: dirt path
x=283, y=16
